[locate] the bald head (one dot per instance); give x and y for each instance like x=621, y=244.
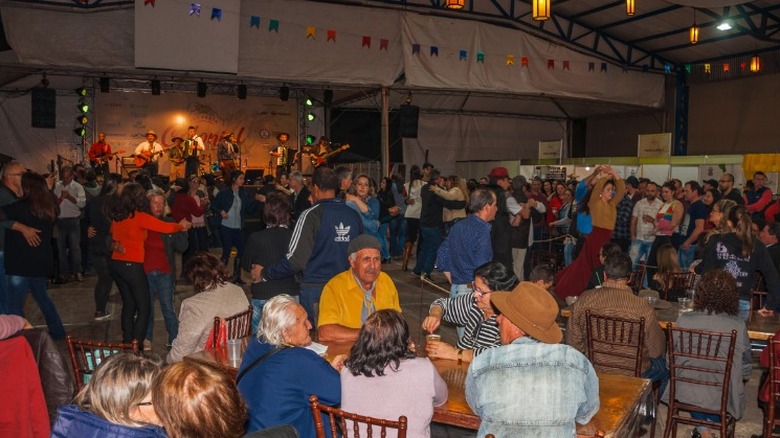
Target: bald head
x=12, y=176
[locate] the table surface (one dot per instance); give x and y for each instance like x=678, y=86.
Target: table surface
x=759, y=327
x=620, y=396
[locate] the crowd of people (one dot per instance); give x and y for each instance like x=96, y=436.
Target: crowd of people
x=314, y=254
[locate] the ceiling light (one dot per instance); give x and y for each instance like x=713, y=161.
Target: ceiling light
x=693, y=36
x=724, y=26
x=540, y=9
x=630, y=7
x=455, y=4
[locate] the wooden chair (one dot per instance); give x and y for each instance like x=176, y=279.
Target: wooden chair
x=236, y=326
x=700, y=352
x=678, y=284
x=339, y=418
x=616, y=346
x=759, y=293
x=637, y=279
x=85, y=356
x=770, y=411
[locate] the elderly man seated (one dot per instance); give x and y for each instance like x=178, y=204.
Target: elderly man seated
x=532, y=386
x=349, y=297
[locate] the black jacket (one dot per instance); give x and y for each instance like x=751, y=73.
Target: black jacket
x=433, y=205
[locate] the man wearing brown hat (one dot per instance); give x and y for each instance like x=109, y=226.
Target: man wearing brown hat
x=351, y=296
x=148, y=152
x=499, y=235
x=504, y=384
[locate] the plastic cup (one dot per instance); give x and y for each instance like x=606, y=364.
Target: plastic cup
x=234, y=349
x=432, y=337
x=651, y=300
x=685, y=304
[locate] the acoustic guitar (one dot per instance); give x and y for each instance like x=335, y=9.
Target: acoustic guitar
x=145, y=157
x=319, y=160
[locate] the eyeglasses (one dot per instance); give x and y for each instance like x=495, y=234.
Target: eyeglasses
x=145, y=404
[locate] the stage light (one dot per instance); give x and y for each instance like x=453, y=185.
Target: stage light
x=327, y=97
x=82, y=106
x=81, y=91
x=105, y=84
x=81, y=132
x=82, y=120
x=309, y=102
x=155, y=87
x=202, y=87
x=284, y=94
x=241, y=92
x=310, y=117
x=310, y=139
x=724, y=26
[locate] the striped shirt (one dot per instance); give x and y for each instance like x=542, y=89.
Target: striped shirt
x=480, y=333
x=613, y=301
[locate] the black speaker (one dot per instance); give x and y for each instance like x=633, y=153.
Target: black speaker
x=253, y=177
x=579, y=135
x=44, y=108
x=409, y=114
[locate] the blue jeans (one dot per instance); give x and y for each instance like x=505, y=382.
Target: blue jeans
x=397, y=235
x=431, y=239
x=18, y=287
x=310, y=300
x=69, y=244
x=744, y=309
x=457, y=290
x=657, y=372
x=383, y=240
x=685, y=256
x=163, y=285
x=257, y=312
x=638, y=250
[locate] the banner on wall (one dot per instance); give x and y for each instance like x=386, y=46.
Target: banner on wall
x=654, y=145
x=125, y=118
x=550, y=149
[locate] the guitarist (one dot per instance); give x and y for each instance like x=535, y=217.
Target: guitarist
x=194, y=148
x=321, y=151
x=148, y=152
x=99, y=154
x=176, y=158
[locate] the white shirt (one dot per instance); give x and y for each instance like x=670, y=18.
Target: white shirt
x=69, y=209
x=144, y=146
x=646, y=231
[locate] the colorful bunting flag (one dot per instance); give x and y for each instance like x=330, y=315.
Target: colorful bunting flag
x=383, y=43
x=195, y=9
x=603, y=66
x=216, y=13
x=742, y=66
x=434, y=51
x=149, y=2
x=366, y=41
x=524, y=61
x=550, y=64
x=415, y=49
x=331, y=35
x=463, y=54
x=254, y=20
x=311, y=32
x=566, y=65
x=273, y=25
x=726, y=67
x=707, y=68
x=480, y=57
x=688, y=68
x=510, y=59
x=591, y=66
x=667, y=68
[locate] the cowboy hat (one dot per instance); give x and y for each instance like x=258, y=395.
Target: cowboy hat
x=532, y=309
x=151, y=132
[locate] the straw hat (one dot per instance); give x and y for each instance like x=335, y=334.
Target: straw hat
x=532, y=309
x=151, y=132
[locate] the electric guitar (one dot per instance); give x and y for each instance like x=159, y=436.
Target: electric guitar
x=103, y=158
x=319, y=160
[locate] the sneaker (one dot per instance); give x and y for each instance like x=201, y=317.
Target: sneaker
x=102, y=316
x=147, y=345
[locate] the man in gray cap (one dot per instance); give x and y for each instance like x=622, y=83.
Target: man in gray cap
x=564, y=384
x=351, y=296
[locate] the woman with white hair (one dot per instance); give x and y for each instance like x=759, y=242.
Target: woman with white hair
x=116, y=402
x=278, y=373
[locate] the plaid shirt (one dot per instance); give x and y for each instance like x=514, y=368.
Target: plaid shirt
x=623, y=221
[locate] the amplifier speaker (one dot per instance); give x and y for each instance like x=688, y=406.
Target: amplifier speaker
x=44, y=108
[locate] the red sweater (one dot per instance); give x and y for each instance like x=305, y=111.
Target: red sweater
x=130, y=234
x=23, y=411
x=185, y=207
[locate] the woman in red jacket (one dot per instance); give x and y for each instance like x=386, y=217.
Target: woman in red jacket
x=191, y=203
x=130, y=222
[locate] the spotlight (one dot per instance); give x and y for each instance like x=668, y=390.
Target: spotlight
x=310, y=117
x=310, y=139
x=202, y=87
x=724, y=26
x=105, y=84
x=284, y=94
x=156, y=87
x=327, y=97
x=81, y=91
x=241, y=92
x=82, y=120
x=82, y=106
x=81, y=132
x=309, y=102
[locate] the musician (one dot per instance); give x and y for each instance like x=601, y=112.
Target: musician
x=99, y=154
x=321, y=151
x=176, y=156
x=148, y=153
x=229, y=155
x=194, y=152
x=285, y=157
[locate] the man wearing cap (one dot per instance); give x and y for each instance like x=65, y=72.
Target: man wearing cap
x=531, y=362
x=149, y=151
x=351, y=296
x=726, y=186
x=228, y=154
x=176, y=158
x=501, y=231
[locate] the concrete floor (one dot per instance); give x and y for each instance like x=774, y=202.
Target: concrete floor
x=76, y=307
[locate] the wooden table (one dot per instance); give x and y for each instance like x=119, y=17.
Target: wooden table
x=759, y=327
x=623, y=398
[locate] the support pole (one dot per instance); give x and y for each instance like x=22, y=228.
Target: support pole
x=385, y=153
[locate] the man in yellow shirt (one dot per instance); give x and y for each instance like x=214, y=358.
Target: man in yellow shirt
x=349, y=297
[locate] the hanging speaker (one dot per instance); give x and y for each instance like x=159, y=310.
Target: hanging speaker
x=44, y=108
x=409, y=114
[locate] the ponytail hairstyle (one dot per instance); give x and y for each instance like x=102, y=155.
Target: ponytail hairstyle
x=741, y=223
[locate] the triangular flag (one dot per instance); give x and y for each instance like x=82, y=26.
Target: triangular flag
x=688, y=68
x=603, y=66
x=311, y=32
x=331, y=35
x=707, y=68
x=645, y=68
x=149, y=2
x=383, y=43
x=510, y=59
x=254, y=21
x=434, y=51
x=463, y=55
x=216, y=13
x=591, y=66
x=726, y=67
x=524, y=61
x=366, y=41
x=667, y=68
x=480, y=57
x=550, y=64
x=273, y=25
x=195, y=9
x=566, y=65
x=415, y=49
